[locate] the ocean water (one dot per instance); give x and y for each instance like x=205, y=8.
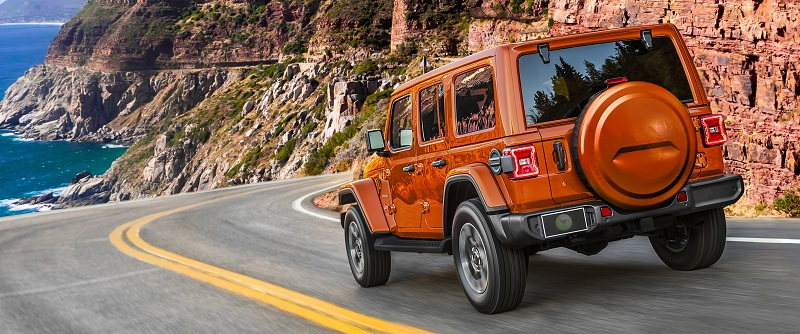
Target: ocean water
x=28, y=167
x=22, y=46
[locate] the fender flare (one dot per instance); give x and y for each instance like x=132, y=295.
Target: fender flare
x=364, y=193
x=482, y=180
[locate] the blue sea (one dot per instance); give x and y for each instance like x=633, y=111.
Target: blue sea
x=28, y=167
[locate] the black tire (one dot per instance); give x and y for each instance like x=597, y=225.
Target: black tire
x=370, y=267
x=492, y=275
x=689, y=248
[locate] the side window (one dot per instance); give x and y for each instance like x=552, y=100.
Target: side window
x=475, y=109
x=431, y=110
x=401, y=129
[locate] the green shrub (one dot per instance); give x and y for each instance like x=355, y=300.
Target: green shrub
x=296, y=46
x=789, y=204
x=307, y=129
x=286, y=151
x=250, y=156
x=319, y=159
x=516, y=6
x=368, y=66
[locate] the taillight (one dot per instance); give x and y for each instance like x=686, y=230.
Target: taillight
x=713, y=130
x=525, y=164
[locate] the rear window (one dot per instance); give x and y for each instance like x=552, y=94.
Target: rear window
x=563, y=87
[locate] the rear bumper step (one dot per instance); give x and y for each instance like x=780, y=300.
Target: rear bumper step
x=394, y=244
x=525, y=229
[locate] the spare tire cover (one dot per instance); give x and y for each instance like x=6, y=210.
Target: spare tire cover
x=635, y=145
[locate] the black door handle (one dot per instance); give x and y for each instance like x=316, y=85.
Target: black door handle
x=439, y=163
x=559, y=156
x=409, y=168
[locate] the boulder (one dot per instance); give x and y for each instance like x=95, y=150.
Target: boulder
x=80, y=176
x=88, y=191
x=248, y=107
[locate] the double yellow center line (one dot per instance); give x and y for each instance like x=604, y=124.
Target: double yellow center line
x=307, y=307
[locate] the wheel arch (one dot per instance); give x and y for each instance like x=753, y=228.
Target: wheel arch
x=364, y=193
x=473, y=181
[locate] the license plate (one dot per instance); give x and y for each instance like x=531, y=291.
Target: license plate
x=564, y=222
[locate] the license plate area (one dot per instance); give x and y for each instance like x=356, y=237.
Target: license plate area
x=564, y=222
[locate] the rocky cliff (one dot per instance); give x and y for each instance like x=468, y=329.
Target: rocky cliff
x=53, y=103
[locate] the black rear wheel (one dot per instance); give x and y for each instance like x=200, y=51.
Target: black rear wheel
x=684, y=247
x=492, y=275
x=370, y=267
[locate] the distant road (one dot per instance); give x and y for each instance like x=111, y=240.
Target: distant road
x=244, y=260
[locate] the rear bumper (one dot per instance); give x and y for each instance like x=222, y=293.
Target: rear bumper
x=525, y=229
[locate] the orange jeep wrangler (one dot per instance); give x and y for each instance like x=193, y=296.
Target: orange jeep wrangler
x=572, y=142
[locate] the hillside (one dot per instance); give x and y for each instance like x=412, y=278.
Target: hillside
x=213, y=93
x=24, y=11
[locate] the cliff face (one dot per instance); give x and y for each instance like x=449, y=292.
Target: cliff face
x=148, y=34
x=52, y=103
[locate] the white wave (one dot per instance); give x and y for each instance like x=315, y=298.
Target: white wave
x=56, y=191
x=114, y=146
x=9, y=203
x=7, y=134
x=23, y=139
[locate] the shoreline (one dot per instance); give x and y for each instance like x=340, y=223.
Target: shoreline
x=32, y=24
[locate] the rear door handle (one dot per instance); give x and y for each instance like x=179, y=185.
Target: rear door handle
x=559, y=155
x=439, y=163
x=409, y=168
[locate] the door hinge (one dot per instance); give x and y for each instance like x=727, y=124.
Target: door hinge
x=701, y=161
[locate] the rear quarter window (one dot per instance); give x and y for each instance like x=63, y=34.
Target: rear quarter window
x=561, y=88
x=474, y=95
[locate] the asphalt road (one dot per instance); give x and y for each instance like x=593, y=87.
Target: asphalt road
x=60, y=273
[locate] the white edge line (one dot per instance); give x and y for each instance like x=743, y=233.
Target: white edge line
x=297, y=206
x=765, y=240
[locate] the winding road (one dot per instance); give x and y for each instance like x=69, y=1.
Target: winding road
x=260, y=258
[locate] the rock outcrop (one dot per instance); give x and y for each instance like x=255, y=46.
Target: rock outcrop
x=345, y=99
x=53, y=103
x=86, y=191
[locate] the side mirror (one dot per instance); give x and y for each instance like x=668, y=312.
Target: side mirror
x=375, y=142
